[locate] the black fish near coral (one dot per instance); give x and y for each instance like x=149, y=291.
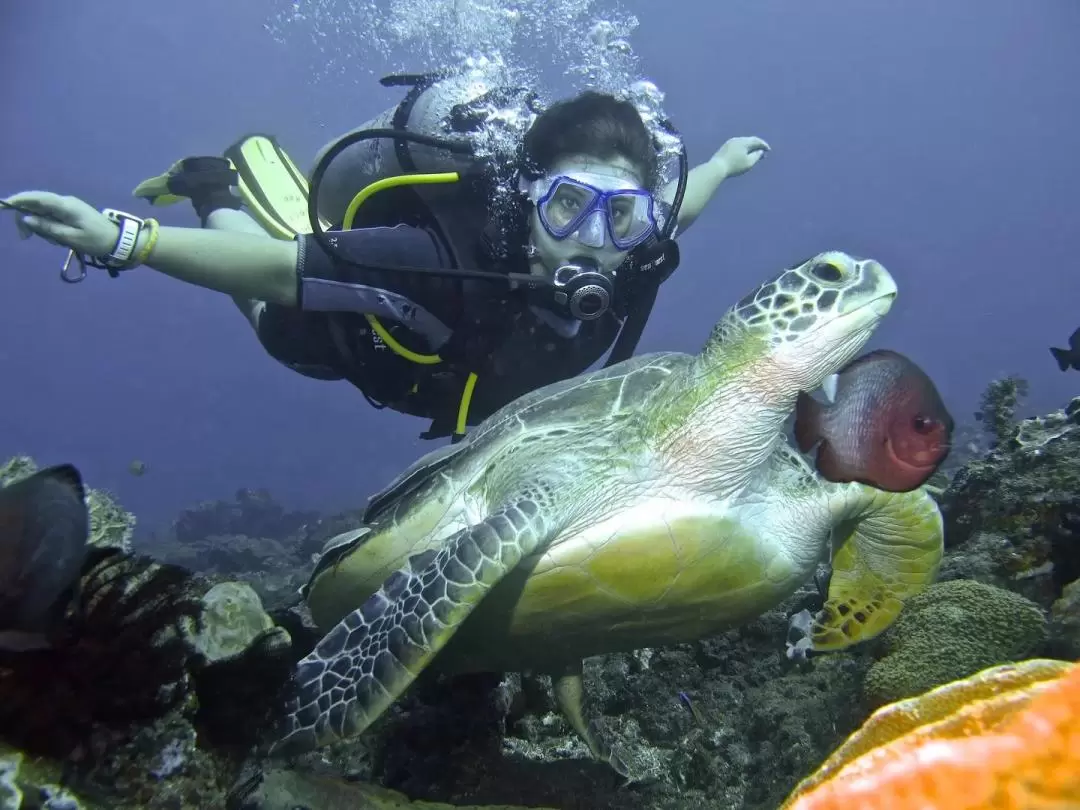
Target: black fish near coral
x=1070, y=357
x=90, y=637
x=886, y=425
x=44, y=529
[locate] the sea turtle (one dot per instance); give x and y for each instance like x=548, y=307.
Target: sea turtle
x=653, y=502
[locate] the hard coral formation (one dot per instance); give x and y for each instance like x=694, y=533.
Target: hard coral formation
x=749, y=728
x=998, y=406
x=251, y=538
x=950, y=631
x=279, y=789
x=232, y=618
x=1026, y=490
x=1065, y=623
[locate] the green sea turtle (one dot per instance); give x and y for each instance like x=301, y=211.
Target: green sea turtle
x=653, y=502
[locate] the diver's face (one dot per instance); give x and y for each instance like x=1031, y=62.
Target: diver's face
x=575, y=217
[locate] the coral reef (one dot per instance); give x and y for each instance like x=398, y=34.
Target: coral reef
x=950, y=631
x=123, y=658
x=1065, y=623
x=276, y=788
x=727, y=722
x=1027, y=491
x=251, y=538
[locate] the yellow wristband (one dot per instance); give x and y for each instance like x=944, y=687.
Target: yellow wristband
x=151, y=241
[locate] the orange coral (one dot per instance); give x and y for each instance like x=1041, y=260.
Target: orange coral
x=1007, y=738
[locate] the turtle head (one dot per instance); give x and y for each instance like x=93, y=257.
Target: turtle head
x=808, y=322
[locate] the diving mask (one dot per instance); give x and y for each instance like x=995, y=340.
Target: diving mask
x=594, y=209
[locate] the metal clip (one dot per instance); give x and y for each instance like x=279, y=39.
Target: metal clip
x=65, y=276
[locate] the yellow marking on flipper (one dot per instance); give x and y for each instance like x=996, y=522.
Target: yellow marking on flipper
x=892, y=552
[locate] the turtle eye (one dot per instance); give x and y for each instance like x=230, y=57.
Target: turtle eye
x=827, y=272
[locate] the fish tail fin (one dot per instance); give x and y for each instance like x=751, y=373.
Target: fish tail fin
x=808, y=413
x=1062, y=357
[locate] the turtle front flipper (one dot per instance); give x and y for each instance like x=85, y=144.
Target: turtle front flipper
x=372, y=655
x=887, y=548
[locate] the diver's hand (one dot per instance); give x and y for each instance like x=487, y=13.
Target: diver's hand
x=65, y=221
x=739, y=155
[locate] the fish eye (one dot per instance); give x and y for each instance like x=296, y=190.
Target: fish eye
x=827, y=272
x=922, y=424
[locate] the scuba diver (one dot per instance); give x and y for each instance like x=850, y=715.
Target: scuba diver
x=460, y=277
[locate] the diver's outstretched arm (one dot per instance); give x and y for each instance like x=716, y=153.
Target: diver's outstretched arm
x=238, y=264
x=737, y=156
x=298, y=273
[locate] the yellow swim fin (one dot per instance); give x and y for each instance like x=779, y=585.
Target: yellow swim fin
x=185, y=178
x=272, y=187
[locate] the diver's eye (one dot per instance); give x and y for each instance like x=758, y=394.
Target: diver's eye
x=827, y=272
x=922, y=424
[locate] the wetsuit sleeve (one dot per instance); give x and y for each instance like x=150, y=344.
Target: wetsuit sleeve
x=324, y=283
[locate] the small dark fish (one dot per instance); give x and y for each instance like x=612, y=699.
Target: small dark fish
x=44, y=529
x=137, y=468
x=1070, y=357
x=885, y=426
x=693, y=709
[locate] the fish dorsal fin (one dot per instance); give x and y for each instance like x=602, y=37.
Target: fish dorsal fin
x=65, y=474
x=829, y=386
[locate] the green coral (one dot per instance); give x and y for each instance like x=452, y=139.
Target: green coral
x=950, y=631
x=111, y=526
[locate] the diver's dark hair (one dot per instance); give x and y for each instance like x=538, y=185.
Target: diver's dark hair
x=594, y=124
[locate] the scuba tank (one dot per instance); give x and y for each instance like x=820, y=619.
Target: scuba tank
x=449, y=109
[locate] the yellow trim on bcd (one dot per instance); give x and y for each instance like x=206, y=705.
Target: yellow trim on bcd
x=380, y=330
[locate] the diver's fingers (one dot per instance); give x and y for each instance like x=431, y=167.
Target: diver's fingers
x=56, y=232
x=758, y=145
x=41, y=202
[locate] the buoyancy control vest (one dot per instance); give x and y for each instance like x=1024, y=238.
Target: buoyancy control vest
x=433, y=132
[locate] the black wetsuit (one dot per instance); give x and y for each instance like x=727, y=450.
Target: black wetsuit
x=494, y=333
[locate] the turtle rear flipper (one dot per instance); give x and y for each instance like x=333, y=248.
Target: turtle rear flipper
x=569, y=690
x=372, y=655
x=890, y=548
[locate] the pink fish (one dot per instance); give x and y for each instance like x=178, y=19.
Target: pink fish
x=885, y=426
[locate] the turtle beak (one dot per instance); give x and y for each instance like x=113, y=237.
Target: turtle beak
x=881, y=306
